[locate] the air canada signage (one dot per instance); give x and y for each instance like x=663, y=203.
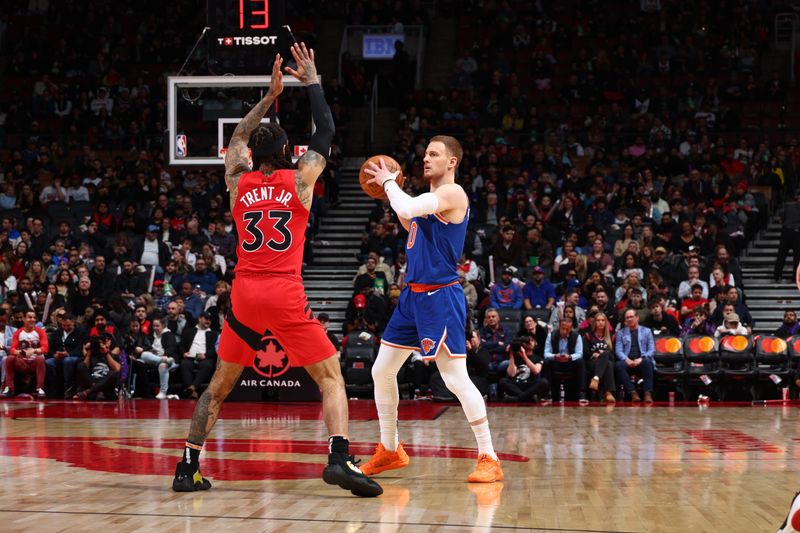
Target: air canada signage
x=272, y=377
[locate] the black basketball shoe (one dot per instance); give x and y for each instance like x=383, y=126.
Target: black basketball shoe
x=189, y=479
x=342, y=471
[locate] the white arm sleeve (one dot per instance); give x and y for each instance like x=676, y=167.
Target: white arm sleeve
x=407, y=207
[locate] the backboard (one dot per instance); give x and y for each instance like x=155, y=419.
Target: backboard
x=203, y=111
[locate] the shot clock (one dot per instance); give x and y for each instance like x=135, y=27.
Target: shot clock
x=244, y=32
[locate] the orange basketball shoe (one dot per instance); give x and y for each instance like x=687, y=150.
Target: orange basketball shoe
x=487, y=471
x=383, y=460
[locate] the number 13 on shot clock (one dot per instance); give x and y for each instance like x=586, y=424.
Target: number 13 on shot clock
x=246, y=22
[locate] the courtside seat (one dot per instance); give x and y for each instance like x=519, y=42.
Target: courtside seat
x=702, y=359
x=773, y=358
x=671, y=366
x=737, y=363
x=358, y=356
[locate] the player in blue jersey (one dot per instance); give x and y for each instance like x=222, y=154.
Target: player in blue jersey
x=432, y=312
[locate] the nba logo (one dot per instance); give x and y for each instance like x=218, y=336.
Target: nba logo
x=181, y=149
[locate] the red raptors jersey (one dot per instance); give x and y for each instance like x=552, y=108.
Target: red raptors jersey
x=271, y=223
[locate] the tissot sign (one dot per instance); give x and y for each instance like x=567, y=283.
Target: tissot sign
x=272, y=378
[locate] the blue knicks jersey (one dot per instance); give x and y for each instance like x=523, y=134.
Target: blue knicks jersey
x=434, y=248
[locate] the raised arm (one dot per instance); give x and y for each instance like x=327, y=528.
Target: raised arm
x=311, y=165
x=449, y=197
x=237, y=158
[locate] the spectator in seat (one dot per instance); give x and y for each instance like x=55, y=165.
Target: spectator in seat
x=636, y=303
x=790, y=326
x=539, y=293
x=372, y=277
x=6, y=335
x=698, y=324
x=599, y=357
x=539, y=248
x=99, y=370
x=685, y=288
x=470, y=293
x=688, y=305
x=192, y=302
x=571, y=299
x=507, y=250
x=732, y=297
x=129, y=283
x=65, y=350
x=537, y=331
x=621, y=245
x=506, y=294
x=202, y=276
x=731, y=326
x=224, y=242
x=524, y=381
x=81, y=298
x=634, y=348
x=495, y=339
x=598, y=260
x=659, y=322
x=101, y=326
x=379, y=266
x=177, y=321
x=466, y=265
x=563, y=352
x=140, y=315
x=162, y=354
x=26, y=355
x=136, y=342
x=150, y=251
x=102, y=280
x=199, y=355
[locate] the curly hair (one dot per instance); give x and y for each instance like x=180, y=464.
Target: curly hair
x=263, y=136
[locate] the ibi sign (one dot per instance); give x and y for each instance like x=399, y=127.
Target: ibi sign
x=381, y=45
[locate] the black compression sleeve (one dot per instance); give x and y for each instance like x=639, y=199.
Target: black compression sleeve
x=323, y=121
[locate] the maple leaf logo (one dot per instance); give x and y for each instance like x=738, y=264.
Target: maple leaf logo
x=271, y=360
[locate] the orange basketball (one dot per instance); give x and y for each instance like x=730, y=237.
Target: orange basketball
x=373, y=189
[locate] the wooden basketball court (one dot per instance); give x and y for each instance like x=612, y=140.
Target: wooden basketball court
x=68, y=466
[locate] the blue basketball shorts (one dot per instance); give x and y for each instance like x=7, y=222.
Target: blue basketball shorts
x=429, y=322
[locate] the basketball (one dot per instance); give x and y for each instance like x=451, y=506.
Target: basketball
x=373, y=189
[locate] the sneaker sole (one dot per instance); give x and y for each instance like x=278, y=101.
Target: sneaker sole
x=358, y=486
x=187, y=485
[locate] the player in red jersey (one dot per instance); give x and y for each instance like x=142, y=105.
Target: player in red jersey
x=270, y=206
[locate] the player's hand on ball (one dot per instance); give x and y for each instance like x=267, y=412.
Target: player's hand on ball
x=380, y=174
x=276, y=81
x=306, y=69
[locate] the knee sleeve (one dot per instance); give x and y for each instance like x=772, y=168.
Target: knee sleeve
x=386, y=367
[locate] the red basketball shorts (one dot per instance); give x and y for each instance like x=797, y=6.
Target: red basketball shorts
x=277, y=304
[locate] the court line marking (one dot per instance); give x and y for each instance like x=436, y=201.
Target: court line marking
x=317, y=520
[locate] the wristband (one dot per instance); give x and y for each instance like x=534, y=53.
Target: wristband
x=383, y=185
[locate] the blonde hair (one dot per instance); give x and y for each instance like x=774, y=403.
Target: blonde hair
x=607, y=332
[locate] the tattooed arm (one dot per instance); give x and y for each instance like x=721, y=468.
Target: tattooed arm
x=238, y=154
x=311, y=165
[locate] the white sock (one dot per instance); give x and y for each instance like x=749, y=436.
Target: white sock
x=384, y=376
x=484, y=438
